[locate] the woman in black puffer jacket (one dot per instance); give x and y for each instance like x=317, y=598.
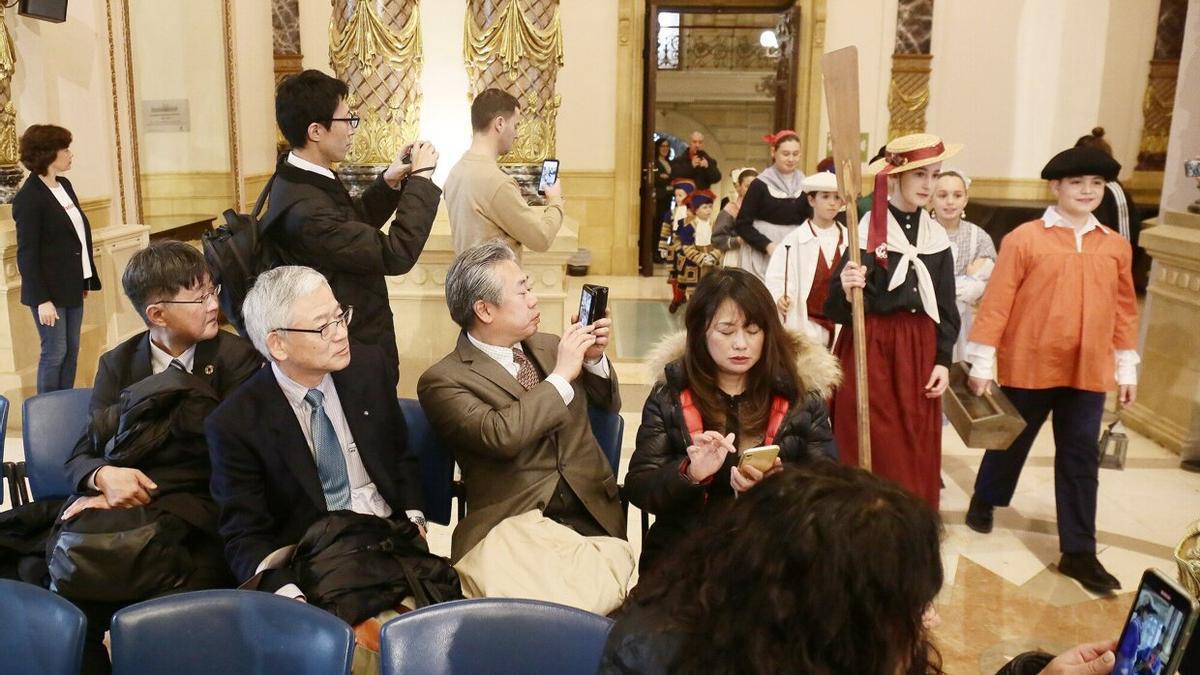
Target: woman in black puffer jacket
x=750, y=382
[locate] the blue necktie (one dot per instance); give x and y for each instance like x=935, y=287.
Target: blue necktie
x=331, y=464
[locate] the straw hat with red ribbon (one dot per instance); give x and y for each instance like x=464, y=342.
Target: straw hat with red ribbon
x=901, y=154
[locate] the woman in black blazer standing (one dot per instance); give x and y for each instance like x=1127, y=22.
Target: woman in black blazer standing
x=54, y=253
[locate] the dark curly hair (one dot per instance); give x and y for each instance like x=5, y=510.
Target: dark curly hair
x=822, y=568
x=40, y=144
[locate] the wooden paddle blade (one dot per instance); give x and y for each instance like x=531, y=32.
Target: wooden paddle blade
x=840, y=70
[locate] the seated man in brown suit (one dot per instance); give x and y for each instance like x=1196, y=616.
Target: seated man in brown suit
x=513, y=403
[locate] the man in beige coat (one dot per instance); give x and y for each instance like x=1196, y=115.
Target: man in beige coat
x=485, y=203
x=513, y=404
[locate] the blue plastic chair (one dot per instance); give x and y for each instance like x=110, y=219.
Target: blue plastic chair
x=608, y=428
x=494, y=635
x=4, y=437
x=54, y=422
x=40, y=632
x=435, y=459
x=226, y=631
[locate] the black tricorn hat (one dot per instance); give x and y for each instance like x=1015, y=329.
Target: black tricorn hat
x=1082, y=161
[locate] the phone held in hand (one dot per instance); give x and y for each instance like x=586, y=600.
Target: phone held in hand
x=761, y=458
x=1156, y=631
x=549, y=175
x=593, y=301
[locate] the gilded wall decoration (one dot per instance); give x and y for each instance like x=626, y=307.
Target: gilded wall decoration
x=1159, y=99
x=517, y=46
x=10, y=172
x=376, y=48
x=908, y=94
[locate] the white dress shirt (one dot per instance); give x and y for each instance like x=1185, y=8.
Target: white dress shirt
x=983, y=357
x=504, y=356
x=60, y=193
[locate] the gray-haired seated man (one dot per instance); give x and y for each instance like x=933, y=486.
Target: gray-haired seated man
x=320, y=430
x=169, y=285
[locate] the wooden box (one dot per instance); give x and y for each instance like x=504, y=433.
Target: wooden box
x=987, y=422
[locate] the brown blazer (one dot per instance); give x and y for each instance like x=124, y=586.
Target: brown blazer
x=513, y=445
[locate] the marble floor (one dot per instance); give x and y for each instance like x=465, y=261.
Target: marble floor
x=1002, y=595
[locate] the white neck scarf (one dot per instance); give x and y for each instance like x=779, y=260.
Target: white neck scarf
x=931, y=238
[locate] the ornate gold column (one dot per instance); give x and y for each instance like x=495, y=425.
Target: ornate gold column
x=285, y=36
x=517, y=46
x=1159, y=100
x=376, y=48
x=908, y=96
x=10, y=170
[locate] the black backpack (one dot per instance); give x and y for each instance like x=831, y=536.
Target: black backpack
x=237, y=252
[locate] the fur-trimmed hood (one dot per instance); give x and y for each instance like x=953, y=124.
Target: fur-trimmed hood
x=819, y=371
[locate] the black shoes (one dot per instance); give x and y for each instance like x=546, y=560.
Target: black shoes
x=979, y=515
x=1087, y=570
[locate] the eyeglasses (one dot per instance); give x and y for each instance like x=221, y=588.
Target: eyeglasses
x=352, y=120
x=327, y=331
x=202, y=300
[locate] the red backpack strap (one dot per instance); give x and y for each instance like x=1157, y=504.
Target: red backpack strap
x=691, y=414
x=779, y=408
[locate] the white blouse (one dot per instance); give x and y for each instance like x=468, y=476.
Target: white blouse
x=60, y=193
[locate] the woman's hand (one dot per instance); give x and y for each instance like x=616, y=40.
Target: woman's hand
x=47, y=314
x=707, y=454
x=853, y=276
x=784, y=303
x=743, y=478
x=939, y=379
x=1096, y=658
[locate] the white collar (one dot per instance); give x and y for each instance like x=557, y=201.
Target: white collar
x=160, y=360
x=809, y=231
x=294, y=391
x=1053, y=218
x=931, y=238
x=301, y=163
x=502, y=355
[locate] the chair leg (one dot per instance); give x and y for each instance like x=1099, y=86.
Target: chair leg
x=22, y=485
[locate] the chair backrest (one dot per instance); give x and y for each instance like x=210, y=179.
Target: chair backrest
x=54, y=422
x=40, y=632
x=435, y=459
x=227, y=631
x=608, y=428
x=494, y=635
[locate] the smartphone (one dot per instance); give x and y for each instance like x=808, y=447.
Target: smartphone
x=549, y=175
x=760, y=458
x=1157, y=628
x=593, y=301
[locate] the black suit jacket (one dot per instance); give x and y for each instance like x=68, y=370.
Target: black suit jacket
x=224, y=362
x=48, y=250
x=264, y=475
x=682, y=167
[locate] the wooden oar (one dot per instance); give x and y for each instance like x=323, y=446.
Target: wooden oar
x=840, y=69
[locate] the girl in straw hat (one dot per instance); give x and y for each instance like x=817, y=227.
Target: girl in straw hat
x=801, y=268
x=907, y=277
x=774, y=204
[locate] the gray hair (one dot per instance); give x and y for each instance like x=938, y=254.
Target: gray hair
x=268, y=305
x=470, y=278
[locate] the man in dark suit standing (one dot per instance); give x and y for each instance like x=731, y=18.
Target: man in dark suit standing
x=169, y=285
x=696, y=164
x=319, y=430
x=513, y=403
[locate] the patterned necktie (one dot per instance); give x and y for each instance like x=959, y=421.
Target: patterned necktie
x=331, y=464
x=527, y=375
x=177, y=365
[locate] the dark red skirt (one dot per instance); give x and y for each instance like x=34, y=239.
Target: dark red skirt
x=906, y=427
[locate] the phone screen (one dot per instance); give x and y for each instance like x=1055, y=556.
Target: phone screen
x=1154, y=633
x=585, y=307
x=549, y=174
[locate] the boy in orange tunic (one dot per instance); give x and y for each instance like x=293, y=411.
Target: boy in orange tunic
x=1060, y=317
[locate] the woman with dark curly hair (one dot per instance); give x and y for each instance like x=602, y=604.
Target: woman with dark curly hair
x=736, y=379
x=54, y=253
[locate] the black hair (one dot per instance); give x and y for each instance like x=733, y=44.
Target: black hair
x=305, y=98
x=40, y=144
x=161, y=270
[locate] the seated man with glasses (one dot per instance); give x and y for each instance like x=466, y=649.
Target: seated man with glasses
x=169, y=285
x=313, y=220
x=318, y=431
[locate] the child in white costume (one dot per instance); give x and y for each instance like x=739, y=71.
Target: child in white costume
x=809, y=254
x=972, y=248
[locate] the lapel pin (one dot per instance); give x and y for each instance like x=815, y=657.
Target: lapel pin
x=366, y=412
x=208, y=370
